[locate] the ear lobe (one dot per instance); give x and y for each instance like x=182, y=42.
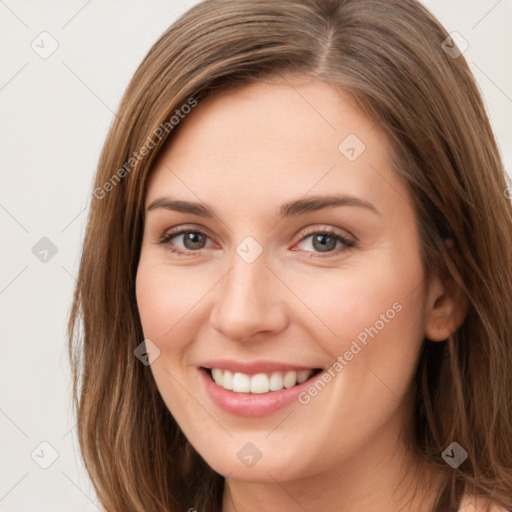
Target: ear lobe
x=448, y=306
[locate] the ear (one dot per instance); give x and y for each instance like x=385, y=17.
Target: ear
x=447, y=306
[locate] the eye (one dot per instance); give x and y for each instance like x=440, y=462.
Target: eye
x=319, y=243
x=192, y=240
x=325, y=242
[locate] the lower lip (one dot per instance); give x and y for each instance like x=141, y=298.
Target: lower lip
x=252, y=404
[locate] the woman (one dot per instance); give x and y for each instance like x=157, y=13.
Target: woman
x=296, y=282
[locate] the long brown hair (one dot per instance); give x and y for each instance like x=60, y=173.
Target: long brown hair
x=389, y=56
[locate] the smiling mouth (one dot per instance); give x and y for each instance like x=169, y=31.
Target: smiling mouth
x=259, y=383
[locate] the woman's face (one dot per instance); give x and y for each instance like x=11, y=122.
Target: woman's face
x=294, y=247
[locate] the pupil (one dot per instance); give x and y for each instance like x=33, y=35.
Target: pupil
x=324, y=240
x=193, y=238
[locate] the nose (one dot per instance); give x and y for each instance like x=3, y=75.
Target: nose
x=249, y=302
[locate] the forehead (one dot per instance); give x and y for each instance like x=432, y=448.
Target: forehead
x=277, y=139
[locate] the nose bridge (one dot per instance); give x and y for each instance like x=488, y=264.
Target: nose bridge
x=248, y=299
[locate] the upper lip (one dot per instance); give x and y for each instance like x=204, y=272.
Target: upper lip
x=251, y=368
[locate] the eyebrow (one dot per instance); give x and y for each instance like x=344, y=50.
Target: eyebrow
x=289, y=209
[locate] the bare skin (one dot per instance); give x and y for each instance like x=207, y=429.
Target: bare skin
x=244, y=154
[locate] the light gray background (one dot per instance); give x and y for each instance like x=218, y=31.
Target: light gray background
x=55, y=114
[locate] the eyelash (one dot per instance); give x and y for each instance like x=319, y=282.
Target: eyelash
x=348, y=244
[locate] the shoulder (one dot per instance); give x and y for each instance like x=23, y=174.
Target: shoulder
x=472, y=503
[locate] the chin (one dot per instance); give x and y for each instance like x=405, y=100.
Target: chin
x=248, y=464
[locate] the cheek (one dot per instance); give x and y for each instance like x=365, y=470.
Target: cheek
x=373, y=314
x=156, y=302
x=376, y=314
x=167, y=300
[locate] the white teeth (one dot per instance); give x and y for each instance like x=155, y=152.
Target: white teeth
x=290, y=379
x=241, y=383
x=260, y=382
x=227, y=382
x=276, y=382
x=223, y=378
x=217, y=376
x=303, y=376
